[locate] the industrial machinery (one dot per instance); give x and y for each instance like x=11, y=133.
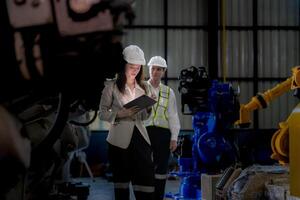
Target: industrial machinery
x=53, y=54
x=214, y=107
x=280, y=139
x=284, y=142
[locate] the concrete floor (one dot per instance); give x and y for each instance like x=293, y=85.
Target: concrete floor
x=101, y=189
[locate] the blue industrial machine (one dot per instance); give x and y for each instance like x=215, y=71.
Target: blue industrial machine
x=214, y=107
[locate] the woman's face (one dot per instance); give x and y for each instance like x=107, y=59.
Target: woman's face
x=132, y=70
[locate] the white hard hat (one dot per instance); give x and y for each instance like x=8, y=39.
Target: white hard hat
x=134, y=55
x=157, y=61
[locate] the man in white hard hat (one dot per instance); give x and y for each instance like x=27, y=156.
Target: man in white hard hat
x=163, y=125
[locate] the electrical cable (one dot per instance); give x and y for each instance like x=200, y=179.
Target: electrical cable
x=56, y=129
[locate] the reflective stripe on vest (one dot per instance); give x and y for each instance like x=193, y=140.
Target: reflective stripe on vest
x=159, y=115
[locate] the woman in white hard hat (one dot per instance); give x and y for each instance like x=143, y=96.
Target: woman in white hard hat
x=130, y=153
x=163, y=125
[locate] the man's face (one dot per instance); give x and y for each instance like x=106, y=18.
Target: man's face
x=156, y=73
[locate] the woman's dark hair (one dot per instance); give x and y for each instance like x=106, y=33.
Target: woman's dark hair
x=121, y=78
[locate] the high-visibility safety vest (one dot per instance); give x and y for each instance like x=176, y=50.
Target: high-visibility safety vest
x=159, y=116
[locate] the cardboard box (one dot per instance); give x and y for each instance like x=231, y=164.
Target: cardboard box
x=208, y=186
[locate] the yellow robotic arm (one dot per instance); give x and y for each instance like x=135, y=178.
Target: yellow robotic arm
x=279, y=143
x=261, y=100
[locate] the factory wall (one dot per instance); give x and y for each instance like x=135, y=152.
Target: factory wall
x=262, y=45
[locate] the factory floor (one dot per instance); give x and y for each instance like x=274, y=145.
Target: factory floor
x=101, y=189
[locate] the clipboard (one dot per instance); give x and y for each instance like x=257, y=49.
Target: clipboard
x=142, y=102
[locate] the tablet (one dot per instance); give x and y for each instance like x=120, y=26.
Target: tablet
x=142, y=102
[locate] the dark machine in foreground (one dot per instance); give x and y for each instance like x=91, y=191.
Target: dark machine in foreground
x=55, y=57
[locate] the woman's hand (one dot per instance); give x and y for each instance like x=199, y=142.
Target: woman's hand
x=153, y=96
x=128, y=112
